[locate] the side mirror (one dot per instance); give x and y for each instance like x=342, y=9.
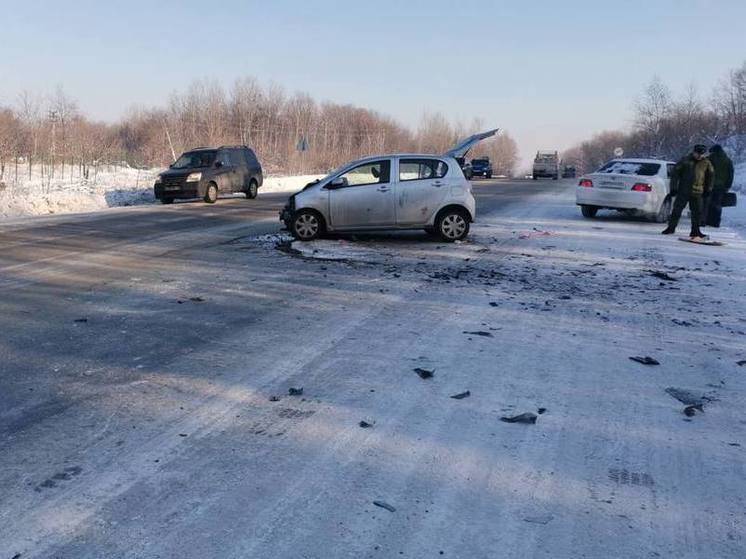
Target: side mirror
x=339, y=182
x=218, y=164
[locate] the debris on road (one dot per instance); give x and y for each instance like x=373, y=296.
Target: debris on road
x=539, y=519
x=274, y=398
x=425, y=373
x=480, y=333
x=81, y=320
x=541, y=411
x=384, y=505
x=528, y=418
x=367, y=424
x=741, y=363
x=295, y=391
x=645, y=360
x=687, y=397
x=690, y=411
x=197, y=299
x=461, y=395
x=662, y=275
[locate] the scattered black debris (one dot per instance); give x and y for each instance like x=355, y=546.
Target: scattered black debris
x=183, y=435
x=81, y=320
x=662, y=275
x=366, y=425
x=741, y=363
x=645, y=360
x=690, y=411
x=197, y=299
x=480, y=333
x=541, y=411
x=274, y=398
x=494, y=304
x=565, y=297
x=425, y=373
x=384, y=505
x=295, y=391
x=734, y=444
x=461, y=395
x=16, y=556
x=528, y=418
x=539, y=519
x=681, y=322
x=687, y=397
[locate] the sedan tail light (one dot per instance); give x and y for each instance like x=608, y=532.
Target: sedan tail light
x=587, y=183
x=642, y=187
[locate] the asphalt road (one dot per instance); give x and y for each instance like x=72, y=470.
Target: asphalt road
x=142, y=349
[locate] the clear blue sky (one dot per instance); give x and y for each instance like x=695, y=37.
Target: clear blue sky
x=549, y=72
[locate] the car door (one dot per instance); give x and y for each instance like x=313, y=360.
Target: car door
x=240, y=170
x=421, y=189
x=364, y=197
x=224, y=171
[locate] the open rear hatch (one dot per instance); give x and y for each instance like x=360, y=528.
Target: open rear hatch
x=463, y=147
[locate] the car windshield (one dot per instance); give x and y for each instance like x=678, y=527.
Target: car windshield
x=194, y=159
x=630, y=168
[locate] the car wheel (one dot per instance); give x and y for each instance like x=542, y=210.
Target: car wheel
x=167, y=201
x=555, y=177
x=252, y=190
x=664, y=213
x=307, y=225
x=589, y=211
x=211, y=194
x=489, y=175
x=535, y=178
x=452, y=225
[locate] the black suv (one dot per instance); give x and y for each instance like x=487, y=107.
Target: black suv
x=482, y=167
x=206, y=172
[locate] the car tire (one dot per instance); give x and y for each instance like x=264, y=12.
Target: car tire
x=252, y=190
x=307, y=225
x=534, y=177
x=211, y=194
x=452, y=225
x=555, y=177
x=489, y=175
x=589, y=211
x=664, y=213
x=167, y=201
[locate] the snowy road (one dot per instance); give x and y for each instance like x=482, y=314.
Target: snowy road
x=147, y=354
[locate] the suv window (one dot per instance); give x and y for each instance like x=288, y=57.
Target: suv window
x=374, y=172
x=224, y=158
x=421, y=169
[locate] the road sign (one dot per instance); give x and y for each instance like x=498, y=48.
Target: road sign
x=618, y=152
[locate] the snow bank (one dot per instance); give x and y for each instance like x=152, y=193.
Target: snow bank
x=111, y=186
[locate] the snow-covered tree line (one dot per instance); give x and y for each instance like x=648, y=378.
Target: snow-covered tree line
x=53, y=133
x=667, y=125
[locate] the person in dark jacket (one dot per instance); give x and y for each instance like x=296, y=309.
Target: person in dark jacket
x=692, y=176
x=723, y=181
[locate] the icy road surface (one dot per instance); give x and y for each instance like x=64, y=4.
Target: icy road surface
x=147, y=355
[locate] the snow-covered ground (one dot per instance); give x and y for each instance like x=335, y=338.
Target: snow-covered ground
x=112, y=186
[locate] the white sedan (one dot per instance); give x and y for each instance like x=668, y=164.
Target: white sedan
x=632, y=186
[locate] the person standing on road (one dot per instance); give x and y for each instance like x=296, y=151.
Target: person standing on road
x=723, y=181
x=692, y=176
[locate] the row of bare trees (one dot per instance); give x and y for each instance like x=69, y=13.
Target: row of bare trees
x=667, y=126
x=290, y=133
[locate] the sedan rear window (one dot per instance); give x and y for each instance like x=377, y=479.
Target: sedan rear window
x=630, y=168
x=421, y=169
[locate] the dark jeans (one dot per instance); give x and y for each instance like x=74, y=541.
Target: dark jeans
x=714, y=209
x=695, y=207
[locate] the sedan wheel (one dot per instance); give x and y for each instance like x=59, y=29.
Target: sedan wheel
x=453, y=226
x=306, y=226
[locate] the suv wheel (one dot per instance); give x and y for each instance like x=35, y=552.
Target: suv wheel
x=211, y=194
x=167, y=201
x=252, y=190
x=306, y=225
x=452, y=225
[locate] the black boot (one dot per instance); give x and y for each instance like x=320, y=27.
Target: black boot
x=668, y=231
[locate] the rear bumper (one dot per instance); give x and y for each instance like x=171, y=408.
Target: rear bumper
x=646, y=202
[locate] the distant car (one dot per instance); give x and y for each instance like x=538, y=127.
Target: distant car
x=633, y=186
x=481, y=167
x=207, y=172
x=399, y=191
x=569, y=172
x=546, y=165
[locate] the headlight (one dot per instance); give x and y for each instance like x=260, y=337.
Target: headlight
x=158, y=179
x=194, y=177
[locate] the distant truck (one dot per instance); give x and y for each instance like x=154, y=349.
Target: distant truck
x=546, y=165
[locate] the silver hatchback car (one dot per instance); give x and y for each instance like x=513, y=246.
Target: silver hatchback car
x=399, y=191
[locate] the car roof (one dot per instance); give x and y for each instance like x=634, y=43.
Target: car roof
x=639, y=160
x=400, y=155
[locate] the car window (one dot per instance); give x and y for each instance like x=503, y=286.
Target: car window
x=421, y=169
x=630, y=168
x=237, y=157
x=193, y=159
x=224, y=158
x=374, y=172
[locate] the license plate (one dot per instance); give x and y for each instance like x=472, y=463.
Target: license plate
x=172, y=188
